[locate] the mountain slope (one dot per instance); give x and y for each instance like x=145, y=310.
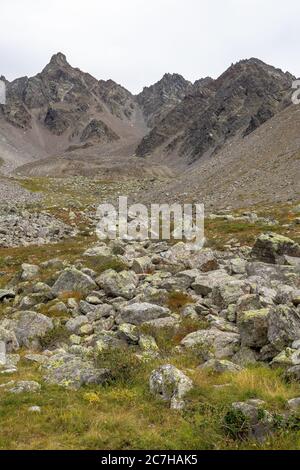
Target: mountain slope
x=261, y=168
x=62, y=108
x=240, y=100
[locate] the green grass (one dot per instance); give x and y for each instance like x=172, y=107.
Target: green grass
x=218, y=232
x=69, y=250
x=124, y=415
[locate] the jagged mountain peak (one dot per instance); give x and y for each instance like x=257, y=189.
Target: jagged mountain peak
x=59, y=59
x=245, y=96
x=172, y=77
x=168, y=80
x=158, y=99
x=254, y=66
x=59, y=64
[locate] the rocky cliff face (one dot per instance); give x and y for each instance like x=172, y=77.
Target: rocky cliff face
x=178, y=118
x=157, y=100
x=62, y=104
x=238, y=102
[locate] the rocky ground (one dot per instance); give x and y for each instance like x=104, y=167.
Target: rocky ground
x=12, y=193
x=148, y=344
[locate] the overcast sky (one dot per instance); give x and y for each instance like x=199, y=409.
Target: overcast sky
x=135, y=42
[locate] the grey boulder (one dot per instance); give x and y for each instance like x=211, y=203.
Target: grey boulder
x=30, y=327
x=72, y=372
x=283, y=326
x=24, y=386
x=212, y=343
x=253, y=327
x=170, y=384
x=271, y=247
x=73, y=280
x=121, y=284
x=139, y=313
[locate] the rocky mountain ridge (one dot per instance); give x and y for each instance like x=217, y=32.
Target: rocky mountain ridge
x=173, y=116
x=213, y=111
x=64, y=122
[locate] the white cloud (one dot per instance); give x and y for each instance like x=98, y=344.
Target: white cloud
x=135, y=42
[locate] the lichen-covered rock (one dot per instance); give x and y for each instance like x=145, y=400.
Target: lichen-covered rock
x=283, y=326
x=70, y=371
x=237, y=266
x=73, y=280
x=176, y=283
x=98, y=251
x=58, y=307
x=101, y=311
x=285, y=294
x=189, y=311
x=212, y=343
x=204, y=283
x=221, y=324
x=121, y=284
x=86, y=330
x=166, y=322
x=253, y=327
x=24, y=386
x=287, y=358
x=177, y=255
x=9, y=339
x=30, y=327
x=271, y=247
x=142, y=265
x=147, y=343
x=189, y=276
x=107, y=340
x=228, y=293
x=204, y=260
x=152, y=295
x=31, y=300
x=29, y=271
x=265, y=273
x=139, y=313
x=248, y=302
x=36, y=358
x=11, y=362
x=220, y=365
x=73, y=325
x=129, y=333
x=171, y=385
